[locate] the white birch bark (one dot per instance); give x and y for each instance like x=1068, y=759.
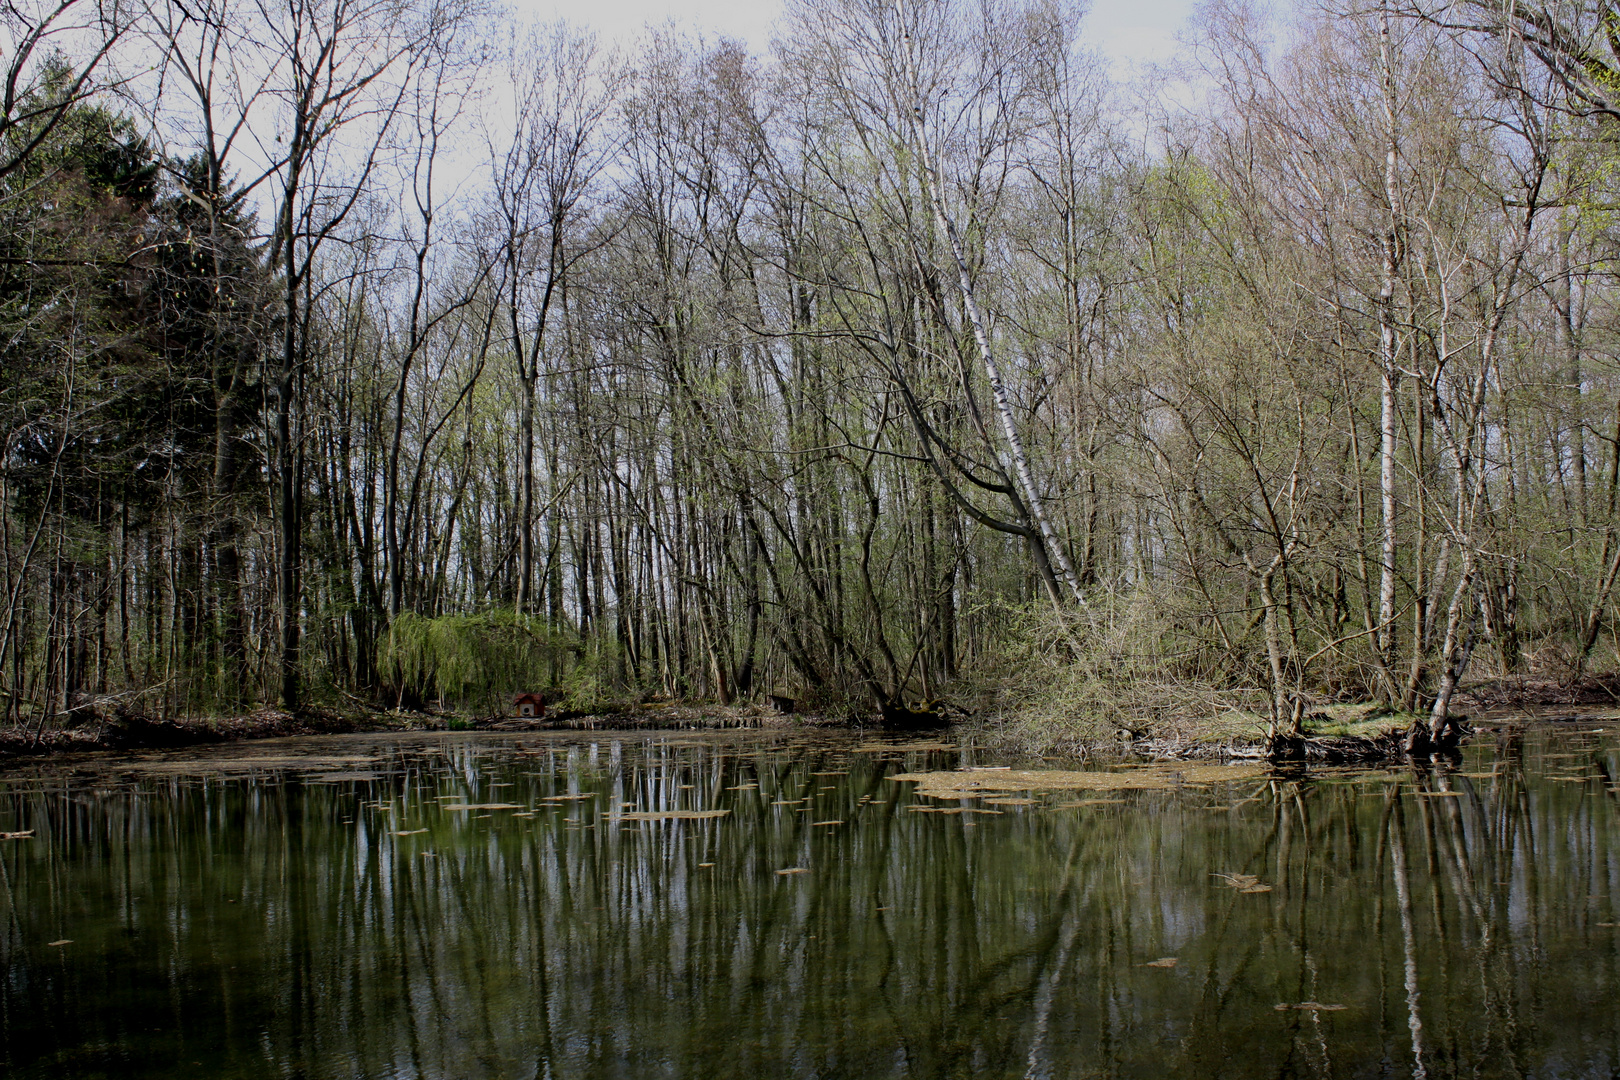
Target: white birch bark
x=1055, y=548
x=1388, y=356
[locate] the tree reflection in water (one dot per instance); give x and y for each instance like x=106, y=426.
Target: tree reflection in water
x=338, y=916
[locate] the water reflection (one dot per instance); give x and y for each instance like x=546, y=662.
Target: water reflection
x=475, y=907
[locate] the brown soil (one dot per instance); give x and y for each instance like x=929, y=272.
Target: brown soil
x=1529, y=692
x=661, y=715
x=131, y=731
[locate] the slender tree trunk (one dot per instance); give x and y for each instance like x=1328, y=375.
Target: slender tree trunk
x=1388, y=358
x=291, y=531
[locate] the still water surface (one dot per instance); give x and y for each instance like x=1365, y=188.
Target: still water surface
x=466, y=906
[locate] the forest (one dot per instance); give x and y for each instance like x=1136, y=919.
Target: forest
x=395, y=354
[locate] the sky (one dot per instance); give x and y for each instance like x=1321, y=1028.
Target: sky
x=1129, y=32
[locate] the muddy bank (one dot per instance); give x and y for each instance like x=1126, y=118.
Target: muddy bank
x=1346, y=733
x=1327, y=750
x=662, y=715
x=133, y=731
x=1487, y=700
x=1531, y=692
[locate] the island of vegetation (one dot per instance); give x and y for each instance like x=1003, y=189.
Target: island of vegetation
x=366, y=361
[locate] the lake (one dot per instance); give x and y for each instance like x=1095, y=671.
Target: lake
x=762, y=904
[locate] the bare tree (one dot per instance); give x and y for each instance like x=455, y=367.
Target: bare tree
x=546, y=158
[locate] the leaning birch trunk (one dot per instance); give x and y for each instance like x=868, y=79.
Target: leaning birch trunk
x=998, y=388
x=998, y=392
x=1454, y=655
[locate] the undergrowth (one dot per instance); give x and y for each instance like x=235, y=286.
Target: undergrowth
x=1121, y=669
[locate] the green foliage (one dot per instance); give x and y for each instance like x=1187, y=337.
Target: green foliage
x=592, y=679
x=469, y=662
x=106, y=273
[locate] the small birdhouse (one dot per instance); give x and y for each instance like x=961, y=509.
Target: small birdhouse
x=529, y=705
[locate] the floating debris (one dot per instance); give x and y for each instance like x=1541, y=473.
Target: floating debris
x=673, y=815
x=1310, y=1006
x=793, y=870
x=64, y=941
x=1157, y=777
x=246, y=762
x=1244, y=883
x=815, y=823
x=24, y=834
x=1163, y=962
x=411, y=832
x=1090, y=802
x=569, y=798
x=484, y=806
x=1009, y=802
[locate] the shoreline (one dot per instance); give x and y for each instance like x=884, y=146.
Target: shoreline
x=139, y=732
x=1494, y=703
